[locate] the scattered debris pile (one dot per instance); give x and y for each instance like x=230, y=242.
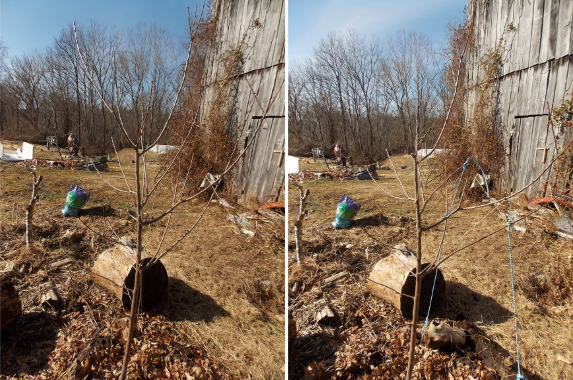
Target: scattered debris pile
x=266, y=221
x=65, y=164
x=308, y=175
x=552, y=213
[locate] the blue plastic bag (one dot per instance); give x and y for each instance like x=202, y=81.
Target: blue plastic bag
x=346, y=210
x=76, y=198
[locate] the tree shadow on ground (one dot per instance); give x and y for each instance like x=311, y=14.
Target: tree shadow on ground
x=381, y=219
x=308, y=350
x=105, y=210
x=26, y=346
x=464, y=304
x=184, y=303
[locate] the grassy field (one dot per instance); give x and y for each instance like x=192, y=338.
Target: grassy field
x=224, y=314
x=367, y=338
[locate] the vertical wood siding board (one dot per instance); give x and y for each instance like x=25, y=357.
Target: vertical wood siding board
x=511, y=38
x=532, y=155
x=525, y=152
x=553, y=29
x=506, y=40
x=520, y=94
x=511, y=96
x=539, y=80
x=567, y=78
x=559, y=96
x=516, y=154
x=513, y=103
x=503, y=96
x=261, y=169
x=267, y=38
x=551, y=83
x=569, y=84
x=487, y=24
x=564, y=28
x=267, y=170
x=545, y=32
x=543, y=141
x=533, y=105
x=269, y=16
x=528, y=101
x=535, y=155
x=570, y=26
x=506, y=19
x=497, y=20
x=521, y=41
x=248, y=34
x=248, y=171
x=527, y=33
x=541, y=137
x=536, y=31
x=524, y=160
x=273, y=168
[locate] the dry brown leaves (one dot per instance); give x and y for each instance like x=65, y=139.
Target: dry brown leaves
x=82, y=335
x=86, y=350
x=367, y=339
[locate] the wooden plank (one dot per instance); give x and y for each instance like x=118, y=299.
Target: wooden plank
x=512, y=37
x=569, y=83
x=553, y=31
x=545, y=28
x=559, y=95
x=563, y=46
x=525, y=33
x=524, y=91
x=551, y=83
x=536, y=31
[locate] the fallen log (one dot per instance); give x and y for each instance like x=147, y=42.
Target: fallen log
x=114, y=270
x=10, y=304
x=392, y=279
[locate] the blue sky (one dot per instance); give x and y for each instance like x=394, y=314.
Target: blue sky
x=28, y=25
x=309, y=21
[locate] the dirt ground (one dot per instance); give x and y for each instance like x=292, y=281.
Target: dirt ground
x=367, y=338
x=224, y=314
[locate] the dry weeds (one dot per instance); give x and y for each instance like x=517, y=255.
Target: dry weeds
x=223, y=317
x=367, y=334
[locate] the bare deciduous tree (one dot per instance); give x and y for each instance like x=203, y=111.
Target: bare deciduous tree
x=146, y=95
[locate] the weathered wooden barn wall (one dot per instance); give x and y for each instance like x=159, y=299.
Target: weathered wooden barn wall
x=535, y=40
x=251, y=33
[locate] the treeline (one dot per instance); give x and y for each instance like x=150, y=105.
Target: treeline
x=54, y=92
x=370, y=95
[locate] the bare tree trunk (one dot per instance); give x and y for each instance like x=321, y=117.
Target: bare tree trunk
x=302, y=213
x=137, y=284
x=30, y=206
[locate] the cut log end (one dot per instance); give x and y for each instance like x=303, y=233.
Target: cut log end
x=154, y=289
x=393, y=280
x=429, y=292
x=114, y=270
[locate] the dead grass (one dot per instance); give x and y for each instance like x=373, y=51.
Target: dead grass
x=225, y=305
x=478, y=278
